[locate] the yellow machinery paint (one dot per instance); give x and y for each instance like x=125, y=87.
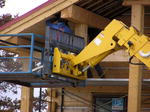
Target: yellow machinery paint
x=62, y=66
x=114, y=37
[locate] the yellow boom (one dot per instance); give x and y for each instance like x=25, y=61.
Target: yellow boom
x=114, y=37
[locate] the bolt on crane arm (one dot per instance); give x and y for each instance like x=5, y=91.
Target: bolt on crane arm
x=114, y=37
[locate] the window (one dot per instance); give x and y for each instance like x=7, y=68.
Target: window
x=110, y=103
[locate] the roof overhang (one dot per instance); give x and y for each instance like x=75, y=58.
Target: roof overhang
x=34, y=21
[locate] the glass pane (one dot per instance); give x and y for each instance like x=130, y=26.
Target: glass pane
x=103, y=105
x=110, y=104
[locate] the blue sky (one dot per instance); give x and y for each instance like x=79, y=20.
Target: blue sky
x=20, y=6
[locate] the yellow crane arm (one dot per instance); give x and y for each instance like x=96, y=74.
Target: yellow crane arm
x=114, y=37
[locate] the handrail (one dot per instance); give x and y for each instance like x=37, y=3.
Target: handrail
x=32, y=47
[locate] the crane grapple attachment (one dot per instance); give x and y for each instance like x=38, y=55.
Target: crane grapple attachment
x=62, y=65
x=60, y=48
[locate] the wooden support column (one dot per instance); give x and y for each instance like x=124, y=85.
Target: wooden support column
x=52, y=96
x=26, y=92
x=26, y=99
x=82, y=30
x=135, y=71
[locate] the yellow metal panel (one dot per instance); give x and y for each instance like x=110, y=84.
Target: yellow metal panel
x=56, y=60
x=63, y=66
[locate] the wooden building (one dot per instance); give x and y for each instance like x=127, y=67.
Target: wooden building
x=121, y=81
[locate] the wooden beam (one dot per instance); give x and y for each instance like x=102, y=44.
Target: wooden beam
x=26, y=99
x=132, y=2
x=79, y=15
x=135, y=72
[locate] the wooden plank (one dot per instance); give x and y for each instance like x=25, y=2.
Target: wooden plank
x=83, y=91
x=26, y=99
x=135, y=72
x=132, y=2
x=79, y=15
x=38, y=16
x=49, y=99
